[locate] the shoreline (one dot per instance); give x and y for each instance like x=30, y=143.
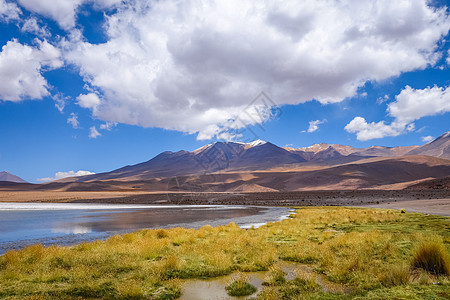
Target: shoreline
x=313, y=198
x=429, y=201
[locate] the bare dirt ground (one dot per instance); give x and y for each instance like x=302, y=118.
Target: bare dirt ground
x=426, y=201
x=57, y=196
x=427, y=206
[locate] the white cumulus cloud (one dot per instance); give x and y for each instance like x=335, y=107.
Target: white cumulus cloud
x=314, y=125
x=413, y=104
x=192, y=66
x=367, y=131
x=21, y=68
x=105, y=4
x=427, y=139
x=61, y=175
x=63, y=11
x=410, y=105
x=31, y=25
x=93, y=132
x=108, y=126
x=383, y=99
x=60, y=101
x=9, y=11
x=73, y=120
x=90, y=101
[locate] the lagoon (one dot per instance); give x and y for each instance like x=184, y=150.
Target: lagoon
x=23, y=224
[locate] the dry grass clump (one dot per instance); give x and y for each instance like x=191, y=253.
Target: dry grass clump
x=161, y=233
x=431, y=256
x=396, y=275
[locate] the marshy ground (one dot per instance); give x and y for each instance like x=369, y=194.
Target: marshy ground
x=319, y=253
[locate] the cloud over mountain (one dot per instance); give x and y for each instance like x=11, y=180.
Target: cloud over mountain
x=61, y=175
x=197, y=66
x=193, y=66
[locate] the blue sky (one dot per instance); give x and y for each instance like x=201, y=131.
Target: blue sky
x=95, y=85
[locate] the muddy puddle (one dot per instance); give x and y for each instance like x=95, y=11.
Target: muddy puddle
x=214, y=289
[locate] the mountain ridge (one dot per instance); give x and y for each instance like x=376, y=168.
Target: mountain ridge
x=327, y=166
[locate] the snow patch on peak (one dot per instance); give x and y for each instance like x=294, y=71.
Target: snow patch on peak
x=203, y=148
x=257, y=143
x=316, y=148
x=447, y=134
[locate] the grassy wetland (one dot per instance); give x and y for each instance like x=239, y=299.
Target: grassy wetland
x=361, y=253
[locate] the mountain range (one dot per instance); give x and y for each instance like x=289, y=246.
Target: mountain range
x=263, y=166
x=261, y=155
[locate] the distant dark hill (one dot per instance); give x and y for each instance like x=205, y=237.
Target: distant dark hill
x=6, y=176
x=433, y=184
x=163, y=165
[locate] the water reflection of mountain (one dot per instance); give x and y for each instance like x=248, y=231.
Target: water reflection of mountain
x=151, y=218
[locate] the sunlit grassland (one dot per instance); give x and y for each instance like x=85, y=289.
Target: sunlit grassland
x=369, y=251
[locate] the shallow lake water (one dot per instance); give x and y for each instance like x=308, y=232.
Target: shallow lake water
x=23, y=224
